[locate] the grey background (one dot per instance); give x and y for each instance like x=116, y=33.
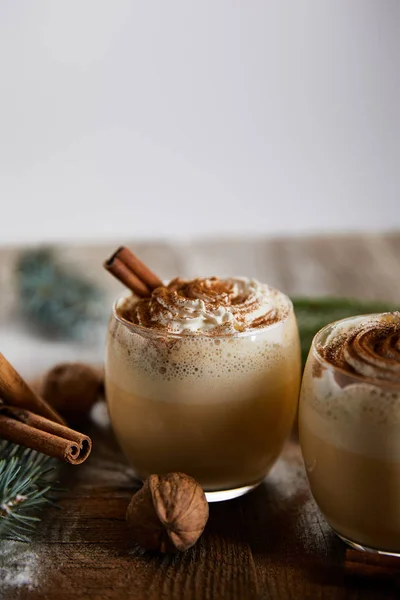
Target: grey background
x=176, y=119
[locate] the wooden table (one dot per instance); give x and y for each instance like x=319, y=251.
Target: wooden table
x=272, y=543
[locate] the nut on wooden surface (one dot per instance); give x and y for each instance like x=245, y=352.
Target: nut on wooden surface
x=72, y=389
x=168, y=513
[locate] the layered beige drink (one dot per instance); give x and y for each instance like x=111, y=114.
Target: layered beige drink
x=203, y=377
x=349, y=421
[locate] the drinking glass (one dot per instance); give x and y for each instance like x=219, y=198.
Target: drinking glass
x=218, y=408
x=349, y=429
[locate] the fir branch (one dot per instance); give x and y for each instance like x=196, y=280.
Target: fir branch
x=57, y=298
x=26, y=481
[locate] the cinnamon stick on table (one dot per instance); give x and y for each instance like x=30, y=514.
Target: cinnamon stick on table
x=371, y=564
x=26, y=419
x=132, y=272
x=23, y=427
x=15, y=391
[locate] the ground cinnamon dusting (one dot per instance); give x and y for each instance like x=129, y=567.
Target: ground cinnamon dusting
x=371, y=349
x=183, y=300
x=333, y=351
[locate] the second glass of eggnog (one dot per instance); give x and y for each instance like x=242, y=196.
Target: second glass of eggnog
x=349, y=423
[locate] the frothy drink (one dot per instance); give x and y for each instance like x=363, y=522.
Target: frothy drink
x=203, y=377
x=350, y=428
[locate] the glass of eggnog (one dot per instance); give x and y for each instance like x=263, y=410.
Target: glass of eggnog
x=349, y=425
x=203, y=377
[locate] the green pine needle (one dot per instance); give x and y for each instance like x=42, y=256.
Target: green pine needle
x=25, y=485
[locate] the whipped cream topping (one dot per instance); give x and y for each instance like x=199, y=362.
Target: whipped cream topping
x=367, y=346
x=209, y=305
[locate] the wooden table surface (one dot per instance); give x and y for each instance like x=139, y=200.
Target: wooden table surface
x=272, y=543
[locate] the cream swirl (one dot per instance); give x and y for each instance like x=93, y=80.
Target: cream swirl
x=210, y=305
x=371, y=348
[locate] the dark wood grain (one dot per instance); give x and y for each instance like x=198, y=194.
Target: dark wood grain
x=270, y=544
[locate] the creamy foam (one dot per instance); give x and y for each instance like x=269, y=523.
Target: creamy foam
x=356, y=408
x=210, y=306
x=359, y=418
x=366, y=346
x=225, y=366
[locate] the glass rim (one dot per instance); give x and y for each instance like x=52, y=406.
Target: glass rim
x=356, y=376
x=157, y=333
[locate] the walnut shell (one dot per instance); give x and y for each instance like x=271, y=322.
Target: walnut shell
x=72, y=389
x=168, y=513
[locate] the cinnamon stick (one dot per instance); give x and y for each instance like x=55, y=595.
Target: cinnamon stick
x=21, y=426
x=132, y=272
x=16, y=392
x=370, y=564
x=372, y=558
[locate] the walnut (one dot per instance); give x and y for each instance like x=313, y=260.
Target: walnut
x=168, y=513
x=72, y=389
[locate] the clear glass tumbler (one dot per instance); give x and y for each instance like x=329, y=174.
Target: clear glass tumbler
x=218, y=408
x=349, y=427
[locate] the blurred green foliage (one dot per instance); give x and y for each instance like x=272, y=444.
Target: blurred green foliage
x=58, y=300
